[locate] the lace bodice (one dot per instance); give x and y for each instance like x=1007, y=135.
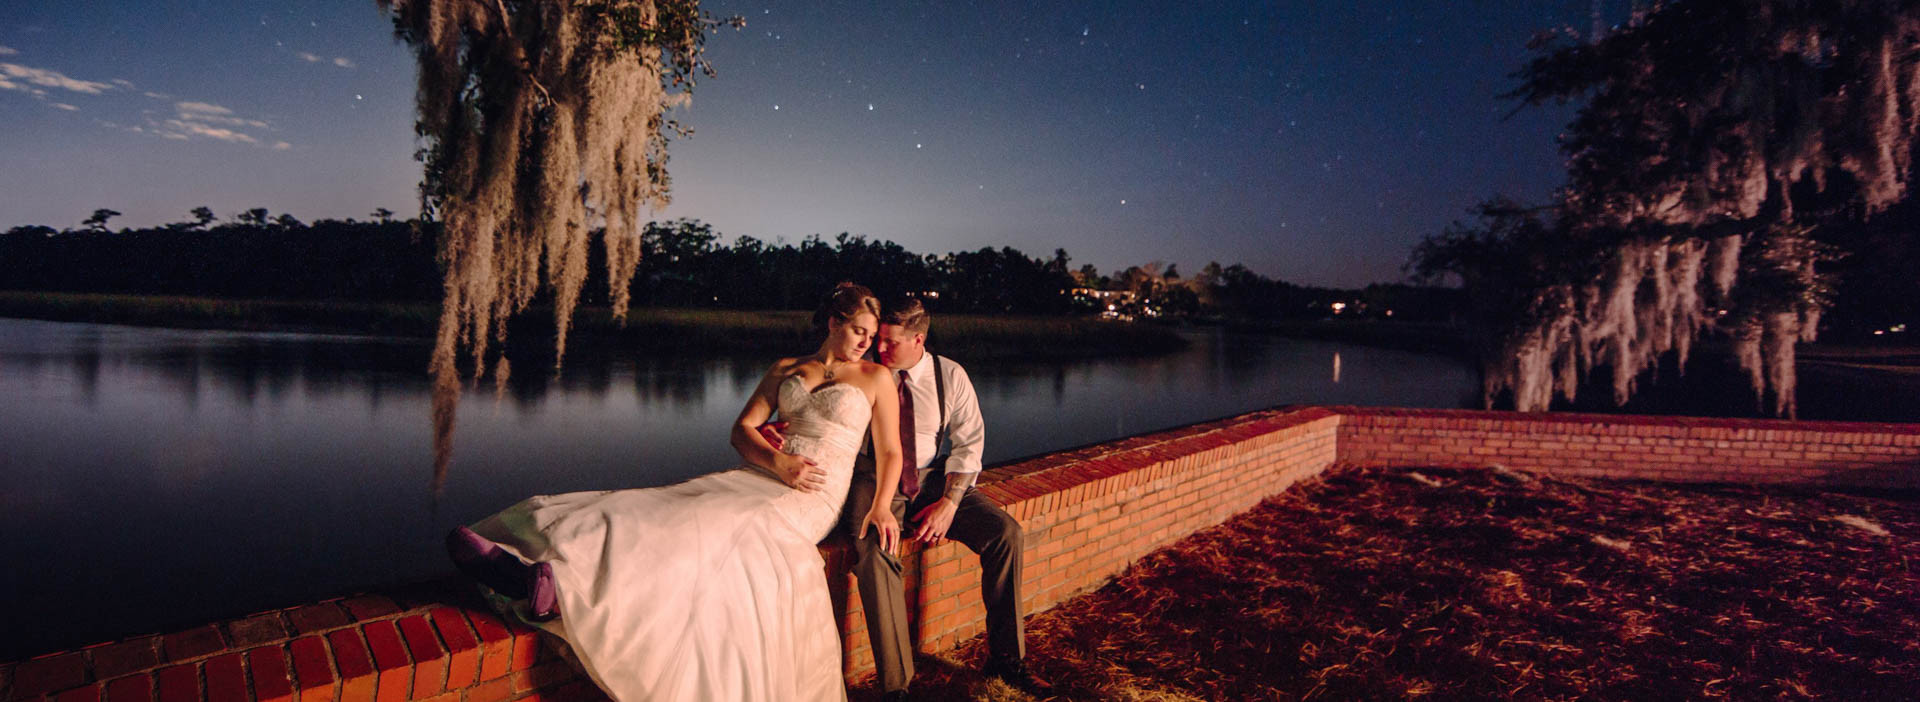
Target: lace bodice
x=834, y=413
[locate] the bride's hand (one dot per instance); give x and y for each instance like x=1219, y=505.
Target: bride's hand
x=800, y=472
x=881, y=517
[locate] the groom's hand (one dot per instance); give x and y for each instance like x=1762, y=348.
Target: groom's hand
x=775, y=433
x=934, y=520
x=800, y=472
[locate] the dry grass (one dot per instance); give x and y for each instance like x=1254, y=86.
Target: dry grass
x=1371, y=584
x=654, y=331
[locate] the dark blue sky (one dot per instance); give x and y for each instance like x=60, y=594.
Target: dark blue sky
x=1314, y=142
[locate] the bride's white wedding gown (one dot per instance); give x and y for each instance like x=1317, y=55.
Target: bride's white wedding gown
x=711, y=589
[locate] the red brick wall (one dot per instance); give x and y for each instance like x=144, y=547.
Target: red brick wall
x=1087, y=514
x=1677, y=449
x=396, y=647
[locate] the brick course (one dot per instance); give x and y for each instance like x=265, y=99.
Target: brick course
x=180, y=683
x=267, y=667
x=1858, y=455
x=192, y=643
x=226, y=679
x=1087, y=513
x=314, y=619
x=312, y=669
x=133, y=688
x=118, y=659
x=354, y=665
x=35, y=678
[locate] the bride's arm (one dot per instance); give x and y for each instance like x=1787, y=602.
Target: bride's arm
x=885, y=428
x=797, y=471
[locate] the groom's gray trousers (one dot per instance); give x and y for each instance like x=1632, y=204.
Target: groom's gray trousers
x=979, y=524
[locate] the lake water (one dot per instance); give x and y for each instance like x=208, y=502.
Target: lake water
x=153, y=478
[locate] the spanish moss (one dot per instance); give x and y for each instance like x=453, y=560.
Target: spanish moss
x=542, y=125
x=1715, y=141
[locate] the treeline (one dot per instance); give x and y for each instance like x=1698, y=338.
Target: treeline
x=685, y=264
x=252, y=257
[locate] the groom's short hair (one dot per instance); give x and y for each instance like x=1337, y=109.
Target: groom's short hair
x=906, y=312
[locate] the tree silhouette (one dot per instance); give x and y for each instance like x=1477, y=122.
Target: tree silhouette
x=1089, y=276
x=684, y=265
x=327, y=260
x=256, y=217
x=1714, y=142
x=98, y=220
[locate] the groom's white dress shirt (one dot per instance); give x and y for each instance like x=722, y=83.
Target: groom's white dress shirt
x=966, y=430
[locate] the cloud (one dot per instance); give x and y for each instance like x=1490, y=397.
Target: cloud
x=50, y=79
x=201, y=108
x=158, y=96
x=209, y=113
x=205, y=120
x=65, y=106
x=281, y=146
x=8, y=51
x=189, y=128
x=231, y=121
x=311, y=57
x=124, y=83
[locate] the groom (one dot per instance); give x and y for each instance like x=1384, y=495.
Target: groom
x=941, y=435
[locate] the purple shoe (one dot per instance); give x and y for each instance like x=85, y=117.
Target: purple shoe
x=486, y=562
x=543, y=600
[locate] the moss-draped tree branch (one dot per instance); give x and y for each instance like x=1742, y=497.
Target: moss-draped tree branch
x=541, y=123
x=1713, y=143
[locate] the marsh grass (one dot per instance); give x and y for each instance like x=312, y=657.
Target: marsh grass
x=649, y=330
x=386, y=319
x=1373, y=584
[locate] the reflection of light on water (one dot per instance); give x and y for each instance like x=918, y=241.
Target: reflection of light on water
x=1336, y=366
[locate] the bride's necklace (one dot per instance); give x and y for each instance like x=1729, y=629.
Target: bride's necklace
x=826, y=362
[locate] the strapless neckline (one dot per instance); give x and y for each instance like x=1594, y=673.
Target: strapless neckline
x=817, y=388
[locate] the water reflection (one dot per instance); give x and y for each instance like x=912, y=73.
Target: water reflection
x=239, y=471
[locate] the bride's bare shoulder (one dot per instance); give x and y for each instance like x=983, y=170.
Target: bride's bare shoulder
x=875, y=373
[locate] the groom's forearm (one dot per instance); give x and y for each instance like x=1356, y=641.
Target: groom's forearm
x=957, y=484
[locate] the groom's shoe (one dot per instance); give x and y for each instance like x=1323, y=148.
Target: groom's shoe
x=894, y=696
x=486, y=562
x=1013, y=671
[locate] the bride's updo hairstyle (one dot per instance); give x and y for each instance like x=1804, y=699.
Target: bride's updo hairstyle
x=844, y=303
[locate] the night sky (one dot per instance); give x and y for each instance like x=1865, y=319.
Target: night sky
x=1313, y=142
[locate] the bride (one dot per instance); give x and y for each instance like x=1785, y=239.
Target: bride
x=713, y=589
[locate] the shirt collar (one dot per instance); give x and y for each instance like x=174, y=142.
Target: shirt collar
x=920, y=369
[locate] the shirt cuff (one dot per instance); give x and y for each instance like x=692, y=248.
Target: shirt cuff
x=958, y=484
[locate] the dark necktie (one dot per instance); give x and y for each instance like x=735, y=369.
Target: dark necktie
x=909, y=473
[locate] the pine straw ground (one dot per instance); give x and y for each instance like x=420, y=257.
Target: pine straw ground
x=1371, y=584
